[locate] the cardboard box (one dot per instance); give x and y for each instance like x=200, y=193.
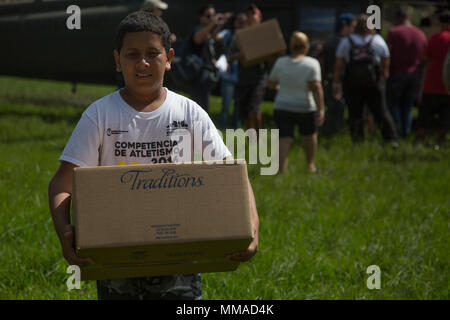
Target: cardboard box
x=260, y=42
x=149, y=220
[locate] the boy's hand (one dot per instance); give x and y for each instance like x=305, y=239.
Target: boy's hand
x=69, y=249
x=245, y=255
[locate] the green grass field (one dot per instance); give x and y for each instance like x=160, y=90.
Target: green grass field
x=370, y=205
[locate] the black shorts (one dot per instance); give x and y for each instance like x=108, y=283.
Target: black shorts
x=248, y=98
x=286, y=121
x=435, y=105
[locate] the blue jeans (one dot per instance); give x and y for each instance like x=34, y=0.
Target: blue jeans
x=227, y=91
x=401, y=93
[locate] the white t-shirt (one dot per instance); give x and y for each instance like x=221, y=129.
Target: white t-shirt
x=378, y=45
x=293, y=76
x=111, y=132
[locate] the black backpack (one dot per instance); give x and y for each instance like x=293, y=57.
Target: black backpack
x=362, y=69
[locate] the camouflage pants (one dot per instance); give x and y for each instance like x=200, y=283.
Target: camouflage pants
x=179, y=287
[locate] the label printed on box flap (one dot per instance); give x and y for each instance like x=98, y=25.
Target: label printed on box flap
x=165, y=231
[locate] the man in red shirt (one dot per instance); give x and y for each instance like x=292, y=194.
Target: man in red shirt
x=436, y=100
x=406, y=44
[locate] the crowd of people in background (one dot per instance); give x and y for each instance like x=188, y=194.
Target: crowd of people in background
x=411, y=71
x=378, y=80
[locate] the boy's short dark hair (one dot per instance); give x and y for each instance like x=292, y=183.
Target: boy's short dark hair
x=141, y=21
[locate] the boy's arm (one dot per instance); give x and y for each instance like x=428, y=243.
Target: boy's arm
x=253, y=247
x=59, y=196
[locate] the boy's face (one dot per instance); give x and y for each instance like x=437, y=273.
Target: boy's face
x=143, y=62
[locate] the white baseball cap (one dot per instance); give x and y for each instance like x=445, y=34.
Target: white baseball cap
x=154, y=4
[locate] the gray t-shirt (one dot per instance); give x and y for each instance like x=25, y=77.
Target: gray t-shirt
x=111, y=132
x=293, y=76
x=379, y=46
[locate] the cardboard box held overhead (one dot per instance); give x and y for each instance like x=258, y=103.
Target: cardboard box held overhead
x=149, y=220
x=258, y=43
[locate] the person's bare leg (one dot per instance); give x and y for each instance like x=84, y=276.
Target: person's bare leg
x=310, y=147
x=285, y=146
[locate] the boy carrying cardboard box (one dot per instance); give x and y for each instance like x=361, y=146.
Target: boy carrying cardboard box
x=142, y=112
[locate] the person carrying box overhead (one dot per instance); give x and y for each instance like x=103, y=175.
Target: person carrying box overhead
x=141, y=111
x=251, y=86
